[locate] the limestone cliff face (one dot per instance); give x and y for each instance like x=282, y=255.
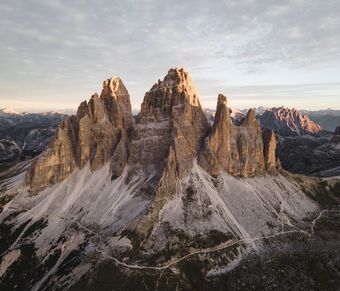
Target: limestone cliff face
x=169, y=130
x=239, y=150
x=269, y=142
x=250, y=146
x=92, y=135
x=56, y=163
x=221, y=146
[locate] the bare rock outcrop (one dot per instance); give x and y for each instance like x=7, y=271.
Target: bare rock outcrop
x=236, y=149
x=169, y=130
x=289, y=122
x=269, y=142
x=91, y=136
x=221, y=146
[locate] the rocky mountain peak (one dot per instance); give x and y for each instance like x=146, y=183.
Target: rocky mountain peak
x=289, y=122
x=113, y=86
x=117, y=103
x=91, y=136
x=176, y=88
x=169, y=129
x=222, y=111
x=221, y=100
x=170, y=133
x=250, y=118
x=177, y=76
x=240, y=150
x=8, y=111
x=269, y=142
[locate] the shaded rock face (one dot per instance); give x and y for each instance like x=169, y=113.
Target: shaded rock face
x=337, y=130
x=8, y=150
x=238, y=150
x=169, y=134
x=90, y=136
x=317, y=156
x=25, y=135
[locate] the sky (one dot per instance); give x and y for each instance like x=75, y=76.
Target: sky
x=55, y=54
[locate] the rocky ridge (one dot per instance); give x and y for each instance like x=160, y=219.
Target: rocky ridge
x=29, y=132
x=238, y=150
x=289, y=122
x=170, y=132
x=91, y=135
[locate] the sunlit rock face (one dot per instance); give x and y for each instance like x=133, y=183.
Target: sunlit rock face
x=239, y=150
x=91, y=135
x=269, y=142
x=289, y=122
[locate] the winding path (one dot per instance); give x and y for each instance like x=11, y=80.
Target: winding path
x=207, y=250
x=218, y=248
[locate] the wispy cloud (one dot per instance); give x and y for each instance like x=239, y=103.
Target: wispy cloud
x=68, y=47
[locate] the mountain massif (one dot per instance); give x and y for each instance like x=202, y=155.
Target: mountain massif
x=163, y=201
x=303, y=146
x=289, y=122
x=25, y=135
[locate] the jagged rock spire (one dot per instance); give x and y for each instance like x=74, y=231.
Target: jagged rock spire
x=117, y=102
x=238, y=150
x=170, y=132
x=220, y=147
x=171, y=116
x=269, y=142
x=222, y=111
x=289, y=122
x=167, y=137
x=89, y=136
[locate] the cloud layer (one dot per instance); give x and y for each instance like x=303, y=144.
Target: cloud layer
x=57, y=52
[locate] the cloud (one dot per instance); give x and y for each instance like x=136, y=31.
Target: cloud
x=70, y=46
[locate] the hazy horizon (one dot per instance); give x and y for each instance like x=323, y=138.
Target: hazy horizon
x=56, y=54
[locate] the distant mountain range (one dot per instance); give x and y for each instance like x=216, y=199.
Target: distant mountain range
x=289, y=122
x=304, y=146
x=328, y=119
x=24, y=135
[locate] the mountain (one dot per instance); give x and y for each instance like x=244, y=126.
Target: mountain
x=289, y=122
x=328, y=122
x=24, y=135
x=303, y=146
x=310, y=155
x=323, y=112
x=9, y=151
x=8, y=111
x=327, y=118
x=9, y=118
x=163, y=201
